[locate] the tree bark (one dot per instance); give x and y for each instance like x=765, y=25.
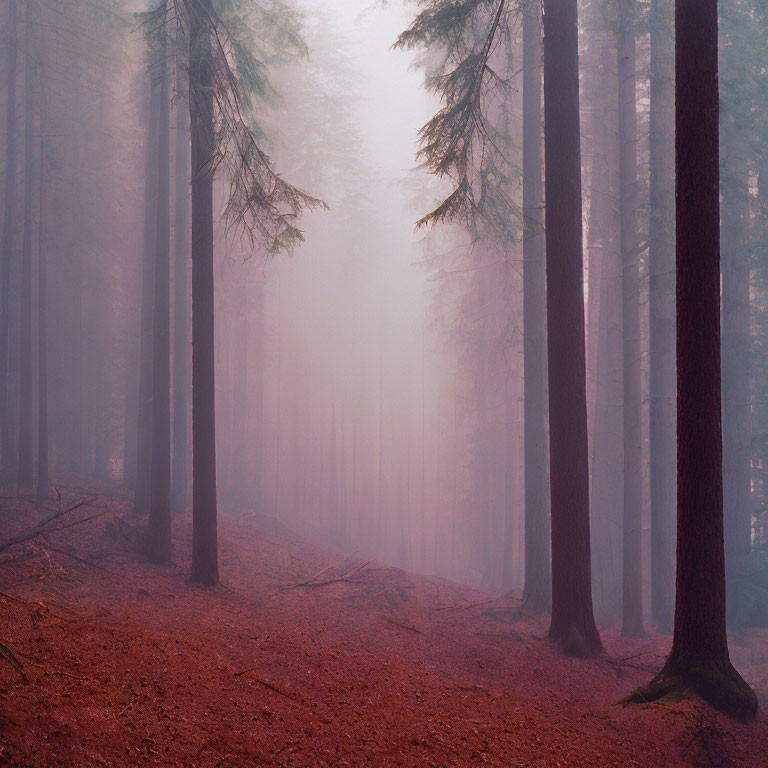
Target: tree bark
x=159, y=533
x=573, y=625
x=205, y=567
x=25, y=467
x=699, y=659
x=662, y=315
x=632, y=592
x=537, y=586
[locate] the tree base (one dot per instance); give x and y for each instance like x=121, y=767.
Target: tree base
x=723, y=688
x=573, y=643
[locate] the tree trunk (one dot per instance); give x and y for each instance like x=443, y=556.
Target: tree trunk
x=205, y=567
x=25, y=469
x=736, y=343
x=42, y=321
x=144, y=419
x=180, y=307
x=606, y=492
x=662, y=315
x=573, y=624
x=632, y=592
x=159, y=533
x=537, y=587
x=699, y=658
x=6, y=441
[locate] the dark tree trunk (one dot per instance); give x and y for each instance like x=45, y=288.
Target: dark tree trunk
x=736, y=352
x=662, y=315
x=144, y=418
x=25, y=468
x=632, y=592
x=180, y=309
x=537, y=587
x=205, y=564
x=159, y=534
x=7, y=452
x=42, y=324
x=573, y=625
x=699, y=658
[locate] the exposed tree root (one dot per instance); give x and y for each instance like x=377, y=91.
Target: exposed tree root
x=724, y=689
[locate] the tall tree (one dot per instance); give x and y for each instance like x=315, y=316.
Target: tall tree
x=736, y=341
x=42, y=317
x=699, y=659
x=661, y=256
x=536, y=588
x=159, y=533
x=573, y=625
x=205, y=564
x=632, y=568
x=605, y=310
x=144, y=417
x=222, y=76
x=25, y=469
x=6, y=439
x=181, y=244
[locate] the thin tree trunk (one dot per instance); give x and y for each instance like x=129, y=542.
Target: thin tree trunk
x=25, y=469
x=632, y=593
x=42, y=320
x=662, y=315
x=573, y=625
x=699, y=658
x=6, y=440
x=159, y=533
x=736, y=342
x=180, y=307
x=606, y=492
x=537, y=587
x=144, y=420
x=205, y=567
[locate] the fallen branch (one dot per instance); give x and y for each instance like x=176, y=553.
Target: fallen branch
x=336, y=580
x=79, y=559
x=319, y=573
x=464, y=607
x=45, y=526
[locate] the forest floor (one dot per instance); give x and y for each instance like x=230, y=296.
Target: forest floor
x=309, y=659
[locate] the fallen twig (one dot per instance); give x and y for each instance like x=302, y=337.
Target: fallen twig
x=7, y=654
x=265, y=683
x=409, y=627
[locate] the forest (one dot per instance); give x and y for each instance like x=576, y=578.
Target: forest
x=384, y=383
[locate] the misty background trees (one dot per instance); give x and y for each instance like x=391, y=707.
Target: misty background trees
x=490, y=397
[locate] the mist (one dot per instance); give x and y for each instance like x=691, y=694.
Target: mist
x=383, y=362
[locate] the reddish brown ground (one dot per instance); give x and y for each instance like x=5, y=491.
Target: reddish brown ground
x=127, y=664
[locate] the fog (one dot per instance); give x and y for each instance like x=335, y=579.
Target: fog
x=379, y=331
